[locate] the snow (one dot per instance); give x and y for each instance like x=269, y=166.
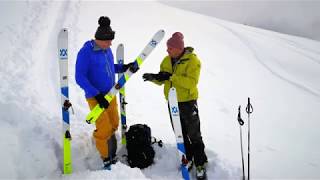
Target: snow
x=280, y=73
x=300, y=18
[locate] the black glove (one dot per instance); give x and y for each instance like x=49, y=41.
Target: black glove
x=133, y=67
x=149, y=76
x=102, y=101
x=162, y=76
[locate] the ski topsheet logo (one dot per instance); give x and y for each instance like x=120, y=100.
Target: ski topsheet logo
x=175, y=111
x=63, y=53
x=153, y=43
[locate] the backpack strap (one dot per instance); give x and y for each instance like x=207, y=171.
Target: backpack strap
x=154, y=140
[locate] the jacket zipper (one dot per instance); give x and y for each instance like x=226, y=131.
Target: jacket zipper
x=174, y=68
x=108, y=67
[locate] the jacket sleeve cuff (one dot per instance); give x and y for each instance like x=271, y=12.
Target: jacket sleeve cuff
x=92, y=94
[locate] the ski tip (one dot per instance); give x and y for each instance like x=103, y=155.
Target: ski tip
x=172, y=89
x=161, y=31
x=120, y=45
x=64, y=30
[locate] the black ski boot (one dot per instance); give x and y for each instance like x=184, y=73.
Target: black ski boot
x=201, y=173
x=107, y=163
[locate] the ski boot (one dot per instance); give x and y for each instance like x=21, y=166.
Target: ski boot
x=107, y=163
x=201, y=173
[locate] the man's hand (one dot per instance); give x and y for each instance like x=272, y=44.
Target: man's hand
x=102, y=101
x=133, y=67
x=149, y=76
x=162, y=76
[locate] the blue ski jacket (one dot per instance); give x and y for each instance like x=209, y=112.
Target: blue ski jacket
x=95, y=69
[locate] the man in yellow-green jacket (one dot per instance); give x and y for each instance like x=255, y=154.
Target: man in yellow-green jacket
x=181, y=69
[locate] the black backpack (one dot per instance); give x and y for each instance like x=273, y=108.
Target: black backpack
x=139, y=146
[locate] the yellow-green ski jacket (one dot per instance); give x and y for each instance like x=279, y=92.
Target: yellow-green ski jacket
x=185, y=75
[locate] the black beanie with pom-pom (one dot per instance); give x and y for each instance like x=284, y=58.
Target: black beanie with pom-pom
x=104, y=31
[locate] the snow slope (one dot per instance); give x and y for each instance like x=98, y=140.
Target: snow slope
x=300, y=18
x=280, y=73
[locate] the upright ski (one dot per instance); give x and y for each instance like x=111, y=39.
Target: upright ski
x=65, y=103
x=120, y=60
x=175, y=116
x=97, y=110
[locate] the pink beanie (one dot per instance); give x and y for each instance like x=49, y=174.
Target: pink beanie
x=176, y=41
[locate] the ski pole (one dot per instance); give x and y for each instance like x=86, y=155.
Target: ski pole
x=249, y=110
x=241, y=124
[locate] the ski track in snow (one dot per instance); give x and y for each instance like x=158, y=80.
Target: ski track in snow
x=294, y=46
x=247, y=43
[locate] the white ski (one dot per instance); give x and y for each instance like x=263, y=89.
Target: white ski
x=122, y=94
x=65, y=103
x=175, y=115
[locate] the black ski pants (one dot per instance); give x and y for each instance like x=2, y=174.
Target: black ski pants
x=190, y=122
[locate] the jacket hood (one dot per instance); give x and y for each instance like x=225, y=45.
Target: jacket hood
x=89, y=44
x=92, y=46
x=188, y=50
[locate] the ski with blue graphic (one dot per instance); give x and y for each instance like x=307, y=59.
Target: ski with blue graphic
x=65, y=103
x=97, y=110
x=122, y=94
x=175, y=117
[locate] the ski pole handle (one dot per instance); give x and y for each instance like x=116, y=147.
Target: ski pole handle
x=241, y=122
x=249, y=108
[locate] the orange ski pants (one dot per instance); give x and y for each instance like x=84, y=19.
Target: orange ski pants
x=106, y=125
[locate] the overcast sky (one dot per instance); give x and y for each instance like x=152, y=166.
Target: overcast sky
x=301, y=18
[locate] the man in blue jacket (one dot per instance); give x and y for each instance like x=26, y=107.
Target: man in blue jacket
x=95, y=74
